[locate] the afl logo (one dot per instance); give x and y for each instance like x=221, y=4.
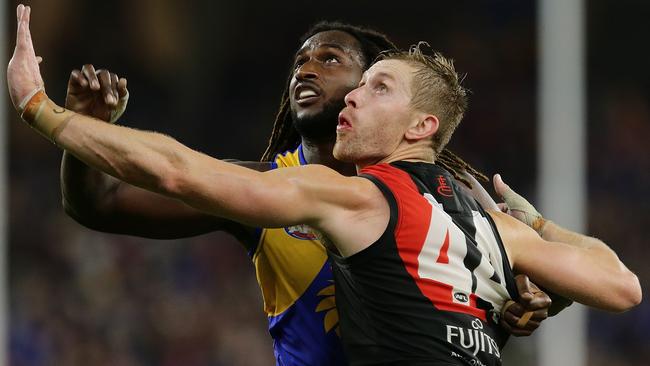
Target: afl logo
x=460, y=297
x=302, y=232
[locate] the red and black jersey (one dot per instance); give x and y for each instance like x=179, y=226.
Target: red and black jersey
x=430, y=290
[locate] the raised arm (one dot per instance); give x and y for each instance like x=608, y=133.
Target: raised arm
x=104, y=203
x=313, y=195
x=101, y=202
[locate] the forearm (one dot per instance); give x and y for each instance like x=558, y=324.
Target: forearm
x=84, y=190
x=550, y=231
x=101, y=202
x=608, y=259
x=144, y=159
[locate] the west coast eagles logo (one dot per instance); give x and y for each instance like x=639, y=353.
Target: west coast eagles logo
x=328, y=305
x=302, y=232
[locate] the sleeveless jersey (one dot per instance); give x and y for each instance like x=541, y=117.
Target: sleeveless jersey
x=297, y=285
x=430, y=289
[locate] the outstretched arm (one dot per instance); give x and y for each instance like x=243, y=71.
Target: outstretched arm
x=578, y=267
x=318, y=196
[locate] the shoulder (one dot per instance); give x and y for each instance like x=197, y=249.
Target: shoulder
x=322, y=178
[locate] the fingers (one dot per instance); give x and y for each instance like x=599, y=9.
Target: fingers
x=25, y=33
x=530, y=296
x=105, y=80
x=90, y=74
x=509, y=324
x=514, y=320
x=122, y=91
x=24, y=44
x=77, y=79
x=517, y=310
x=517, y=332
x=20, y=32
x=524, y=288
x=499, y=186
x=540, y=300
x=23, y=73
x=114, y=83
x=109, y=85
x=503, y=207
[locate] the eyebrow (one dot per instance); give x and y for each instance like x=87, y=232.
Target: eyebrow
x=386, y=75
x=329, y=45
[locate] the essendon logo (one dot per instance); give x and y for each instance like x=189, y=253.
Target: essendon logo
x=443, y=188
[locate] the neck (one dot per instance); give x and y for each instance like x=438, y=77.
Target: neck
x=415, y=152
x=321, y=153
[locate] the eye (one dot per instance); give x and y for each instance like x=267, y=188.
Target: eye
x=332, y=60
x=299, y=62
x=381, y=88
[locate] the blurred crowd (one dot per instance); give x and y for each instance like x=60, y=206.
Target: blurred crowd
x=211, y=75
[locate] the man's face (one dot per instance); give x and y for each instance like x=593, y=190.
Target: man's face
x=326, y=68
x=377, y=114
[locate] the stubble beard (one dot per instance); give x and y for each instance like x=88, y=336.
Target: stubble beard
x=319, y=127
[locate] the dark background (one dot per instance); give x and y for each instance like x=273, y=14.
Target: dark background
x=211, y=74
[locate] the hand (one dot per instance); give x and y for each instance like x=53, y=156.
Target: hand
x=531, y=299
x=100, y=94
x=517, y=206
x=23, y=74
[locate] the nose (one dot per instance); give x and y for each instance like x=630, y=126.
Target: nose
x=352, y=98
x=307, y=71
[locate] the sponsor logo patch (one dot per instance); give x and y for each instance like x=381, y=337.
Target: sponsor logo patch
x=473, y=339
x=302, y=232
x=461, y=297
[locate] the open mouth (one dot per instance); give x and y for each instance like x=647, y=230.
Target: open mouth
x=344, y=123
x=306, y=93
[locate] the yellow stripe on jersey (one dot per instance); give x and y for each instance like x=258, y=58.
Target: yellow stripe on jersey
x=287, y=260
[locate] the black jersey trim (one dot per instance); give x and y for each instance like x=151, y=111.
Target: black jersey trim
x=366, y=253
x=509, y=274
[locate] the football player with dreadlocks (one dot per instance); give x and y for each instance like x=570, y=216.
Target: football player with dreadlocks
x=292, y=268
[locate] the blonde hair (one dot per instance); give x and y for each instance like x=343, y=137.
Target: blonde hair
x=436, y=89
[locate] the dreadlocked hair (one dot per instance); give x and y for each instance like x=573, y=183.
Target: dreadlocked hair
x=454, y=164
x=284, y=136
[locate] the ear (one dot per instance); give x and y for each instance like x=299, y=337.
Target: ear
x=426, y=126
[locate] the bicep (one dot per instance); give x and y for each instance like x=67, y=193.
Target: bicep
x=281, y=197
x=568, y=270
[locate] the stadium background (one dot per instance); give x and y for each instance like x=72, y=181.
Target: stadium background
x=210, y=73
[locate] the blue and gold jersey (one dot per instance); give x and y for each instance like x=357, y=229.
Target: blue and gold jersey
x=297, y=284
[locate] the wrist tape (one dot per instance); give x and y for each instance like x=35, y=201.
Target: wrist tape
x=43, y=115
x=532, y=217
